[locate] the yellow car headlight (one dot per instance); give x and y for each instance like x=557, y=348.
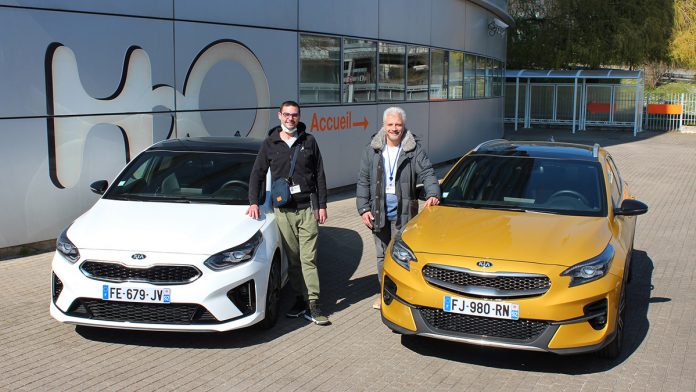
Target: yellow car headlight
x=401, y=253
x=592, y=269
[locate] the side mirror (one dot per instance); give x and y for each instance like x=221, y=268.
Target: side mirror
x=420, y=192
x=99, y=187
x=631, y=207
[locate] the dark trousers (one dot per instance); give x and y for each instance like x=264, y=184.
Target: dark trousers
x=382, y=239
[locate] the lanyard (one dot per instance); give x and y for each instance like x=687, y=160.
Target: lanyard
x=392, y=166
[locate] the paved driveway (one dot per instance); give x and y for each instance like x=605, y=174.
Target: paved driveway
x=357, y=352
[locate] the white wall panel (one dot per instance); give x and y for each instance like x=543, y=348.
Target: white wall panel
x=229, y=67
x=150, y=8
x=477, y=38
x=355, y=17
x=341, y=138
x=89, y=66
x=405, y=21
x=36, y=209
x=280, y=14
x=449, y=27
x=456, y=128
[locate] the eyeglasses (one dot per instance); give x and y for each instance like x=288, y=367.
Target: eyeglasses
x=291, y=115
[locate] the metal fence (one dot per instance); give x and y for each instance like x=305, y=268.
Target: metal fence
x=606, y=105
x=666, y=112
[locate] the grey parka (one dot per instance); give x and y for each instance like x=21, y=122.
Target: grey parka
x=413, y=167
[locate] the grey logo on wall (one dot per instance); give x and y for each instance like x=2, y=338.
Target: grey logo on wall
x=67, y=133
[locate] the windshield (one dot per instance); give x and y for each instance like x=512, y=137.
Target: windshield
x=188, y=177
x=572, y=187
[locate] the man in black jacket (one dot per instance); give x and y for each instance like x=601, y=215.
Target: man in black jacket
x=298, y=219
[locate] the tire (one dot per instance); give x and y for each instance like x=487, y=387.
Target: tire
x=613, y=349
x=272, y=297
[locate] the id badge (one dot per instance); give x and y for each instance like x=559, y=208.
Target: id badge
x=391, y=188
x=294, y=189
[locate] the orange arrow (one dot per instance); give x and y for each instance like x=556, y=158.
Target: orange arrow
x=362, y=123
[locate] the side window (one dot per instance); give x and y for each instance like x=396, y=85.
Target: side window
x=392, y=72
x=614, y=183
x=320, y=69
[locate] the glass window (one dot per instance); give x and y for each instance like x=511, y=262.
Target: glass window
x=469, y=76
x=498, y=81
x=392, y=72
x=480, y=77
x=359, y=70
x=535, y=184
x=320, y=69
x=438, y=74
x=456, y=67
x=418, y=73
x=191, y=176
x=490, y=74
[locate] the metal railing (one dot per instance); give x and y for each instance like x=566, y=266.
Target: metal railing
x=605, y=105
x=667, y=112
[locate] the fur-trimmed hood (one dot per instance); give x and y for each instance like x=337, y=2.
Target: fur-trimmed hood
x=408, y=141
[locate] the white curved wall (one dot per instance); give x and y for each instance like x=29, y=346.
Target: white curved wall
x=86, y=85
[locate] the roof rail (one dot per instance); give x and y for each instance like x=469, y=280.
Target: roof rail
x=489, y=142
x=595, y=150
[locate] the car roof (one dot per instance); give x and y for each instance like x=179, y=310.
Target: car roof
x=210, y=144
x=536, y=149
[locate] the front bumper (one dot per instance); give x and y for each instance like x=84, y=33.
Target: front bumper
x=562, y=321
x=214, y=301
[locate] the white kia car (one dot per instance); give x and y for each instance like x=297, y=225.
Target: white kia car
x=169, y=245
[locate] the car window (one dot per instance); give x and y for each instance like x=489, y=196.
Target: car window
x=565, y=186
x=186, y=176
x=615, y=183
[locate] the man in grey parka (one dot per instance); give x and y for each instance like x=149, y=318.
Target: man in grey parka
x=391, y=166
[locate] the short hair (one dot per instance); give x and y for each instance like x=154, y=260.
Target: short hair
x=289, y=103
x=394, y=110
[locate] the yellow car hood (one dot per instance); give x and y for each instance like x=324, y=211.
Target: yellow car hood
x=505, y=235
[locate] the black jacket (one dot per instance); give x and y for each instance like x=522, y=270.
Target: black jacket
x=309, y=169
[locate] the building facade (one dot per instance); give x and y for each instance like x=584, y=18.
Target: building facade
x=88, y=85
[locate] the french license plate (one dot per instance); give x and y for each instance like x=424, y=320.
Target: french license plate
x=473, y=307
x=132, y=294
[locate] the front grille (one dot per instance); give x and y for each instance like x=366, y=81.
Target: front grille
x=135, y=312
x=57, y=287
x=158, y=274
x=521, y=330
x=486, y=284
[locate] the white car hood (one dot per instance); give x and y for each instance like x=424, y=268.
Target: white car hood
x=163, y=227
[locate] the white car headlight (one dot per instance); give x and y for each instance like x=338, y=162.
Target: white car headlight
x=66, y=248
x=401, y=253
x=591, y=269
x=235, y=256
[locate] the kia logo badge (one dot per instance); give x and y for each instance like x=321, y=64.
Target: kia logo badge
x=484, y=264
x=138, y=256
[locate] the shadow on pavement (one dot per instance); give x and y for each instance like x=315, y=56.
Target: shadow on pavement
x=605, y=137
x=636, y=329
x=340, y=251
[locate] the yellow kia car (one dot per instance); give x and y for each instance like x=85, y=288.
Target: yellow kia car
x=530, y=248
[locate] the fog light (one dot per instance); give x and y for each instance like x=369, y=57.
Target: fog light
x=244, y=297
x=57, y=287
x=599, y=310
x=389, y=291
